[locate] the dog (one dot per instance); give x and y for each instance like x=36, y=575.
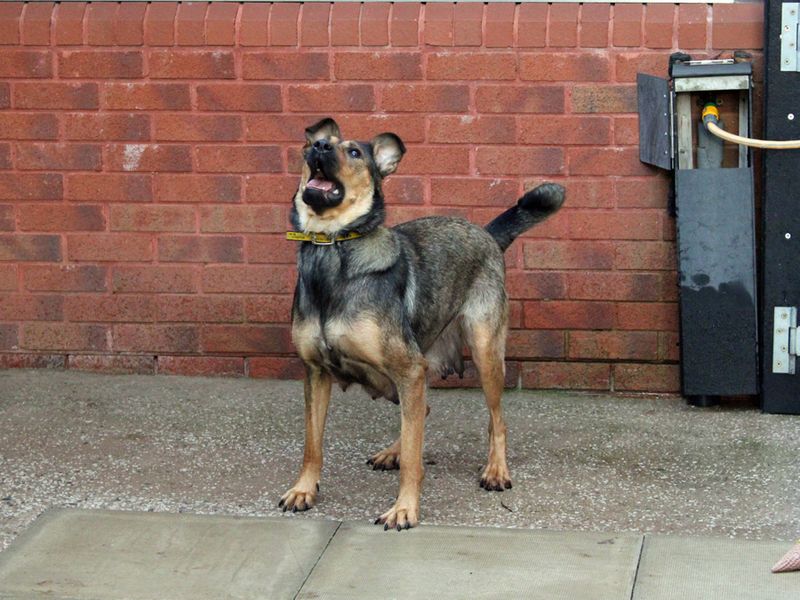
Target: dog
x=382, y=306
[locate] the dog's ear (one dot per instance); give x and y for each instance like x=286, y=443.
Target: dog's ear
x=387, y=149
x=326, y=128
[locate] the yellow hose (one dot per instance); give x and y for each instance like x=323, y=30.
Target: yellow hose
x=711, y=117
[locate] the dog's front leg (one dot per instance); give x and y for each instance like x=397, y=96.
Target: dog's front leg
x=411, y=388
x=317, y=389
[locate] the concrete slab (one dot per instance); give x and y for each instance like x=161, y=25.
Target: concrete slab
x=94, y=555
x=678, y=567
x=363, y=561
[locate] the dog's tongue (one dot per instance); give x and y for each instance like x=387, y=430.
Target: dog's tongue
x=320, y=184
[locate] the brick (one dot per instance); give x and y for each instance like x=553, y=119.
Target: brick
x=39, y=156
x=100, y=64
x=65, y=278
x=641, y=287
x=473, y=191
x=272, y=249
x=604, y=99
x=535, y=344
x=651, y=192
x=101, y=309
x=283, y=20
x=566, y=130
x=64, y=337
x=615, y=225
x=645, y=256
x=520, y=99
x=253, y=24
x=197, y=188
x=442, y=160
x=605, y=161
x=9, y=337
x=270, y=188
x=237, y=97
x=669, y=346
x=253, y=219
x=30, y=186
x=404, y=190
x=439, y=24
x=191, y=64
x=153, y=279
x=126, y=217
x=8, y=278
x=5, y=156
x=375, y=23
x=68, y=23
x=20, y=360
x=499, y=25
x=197, y=128
x=109, y=187
x=535, y=285
x=404, y=25
x=189, y=25
x=202, y=309
x=469, y=129
x=206, y=249
x=627, y=24
x=373, y=65
x=467, y=24
x=106, y=126
x=345, y=18
x=146, y=96
x=425, y=98
x=360, y=126
x=737, y=26
x=220, y=23
x=286, y=65
x=270, y=308
x=692, y=22
x=566, y=375
x=147, y=157
x=275, y=367
x=594, y=25
x=31, y=307
x=564, y=66
x=109, y=247
x=314, y=24
x=658, y=25
x=532, y=25
x=56, y=95
x=246, y=339
x=567, y=254
x=155, y=338
x=26, y=247
x=330, y=97
x=99, y=24
x=36, y=24
x=7, y=220
x=159, y=24
x=626, y=131
x=541, y=160
x=61, y=217
x=203, y=366
x=647, y=316
x=5, y=95
x=129, y=24
x=647, y=378
x=563, y=29
x=569, y=314
x=105, y=363
x=249, y=279
x=10, y=17
x=472, y=66
x=239, y=159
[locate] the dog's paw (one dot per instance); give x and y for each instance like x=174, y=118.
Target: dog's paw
x=387, y=459
x=400, y=516
x=297, y=499
x=496, y=478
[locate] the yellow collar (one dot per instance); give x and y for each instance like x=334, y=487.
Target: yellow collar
x=320, y=239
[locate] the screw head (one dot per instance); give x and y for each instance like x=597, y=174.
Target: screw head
x=787, y=235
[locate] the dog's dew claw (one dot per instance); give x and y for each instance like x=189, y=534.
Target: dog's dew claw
x=281, y=503
x=386, y=527
x=508, y=485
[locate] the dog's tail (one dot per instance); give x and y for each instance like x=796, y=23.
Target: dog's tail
x=535, y=206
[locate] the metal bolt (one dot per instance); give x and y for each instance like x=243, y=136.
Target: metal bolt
x=783, y=348
x=790, y=116
x=788, y=236
x=779, y=364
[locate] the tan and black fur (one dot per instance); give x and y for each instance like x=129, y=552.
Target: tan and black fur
x=384, y=309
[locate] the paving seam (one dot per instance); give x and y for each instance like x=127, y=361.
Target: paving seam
x=316, y=562
x=638, y=564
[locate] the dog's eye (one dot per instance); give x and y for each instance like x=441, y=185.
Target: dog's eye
x=354, y=152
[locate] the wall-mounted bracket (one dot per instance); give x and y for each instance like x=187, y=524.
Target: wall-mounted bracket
x=790, y=57
x=784, y=340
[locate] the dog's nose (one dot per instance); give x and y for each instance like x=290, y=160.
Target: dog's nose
x=322, y=146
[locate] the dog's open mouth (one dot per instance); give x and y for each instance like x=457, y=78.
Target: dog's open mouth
x=327, y=187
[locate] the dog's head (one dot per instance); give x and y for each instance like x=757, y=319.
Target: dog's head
x=340, y=184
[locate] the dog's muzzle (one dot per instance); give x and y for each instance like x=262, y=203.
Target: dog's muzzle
x=323, y=190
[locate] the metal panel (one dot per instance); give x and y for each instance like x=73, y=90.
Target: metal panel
x=716, y=244
x=654, y=121
x=712, y=84
x=781, y=217
x=789, y=24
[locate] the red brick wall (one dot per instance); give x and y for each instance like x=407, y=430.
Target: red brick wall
x=148, y=154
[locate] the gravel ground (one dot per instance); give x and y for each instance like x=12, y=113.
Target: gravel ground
x=233, y=446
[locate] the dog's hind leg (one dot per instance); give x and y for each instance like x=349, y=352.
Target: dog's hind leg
x=317, y=389
x=486, y=340
x=388, y=459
